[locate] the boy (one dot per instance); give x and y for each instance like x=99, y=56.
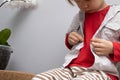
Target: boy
x=93, y=39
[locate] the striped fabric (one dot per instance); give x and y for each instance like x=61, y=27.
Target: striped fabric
x=73, y=73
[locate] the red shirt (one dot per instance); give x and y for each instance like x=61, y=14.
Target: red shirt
x=91, y=24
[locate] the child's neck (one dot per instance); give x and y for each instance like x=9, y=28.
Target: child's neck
x=103, y=6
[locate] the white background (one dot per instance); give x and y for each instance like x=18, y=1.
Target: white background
x=38, y=34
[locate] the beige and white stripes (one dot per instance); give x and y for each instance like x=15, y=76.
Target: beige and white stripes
x=73, y=73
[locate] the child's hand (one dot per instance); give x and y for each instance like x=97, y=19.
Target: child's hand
x=74, y=38
x=102, y=47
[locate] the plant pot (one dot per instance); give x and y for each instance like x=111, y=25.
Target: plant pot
x=5, y=52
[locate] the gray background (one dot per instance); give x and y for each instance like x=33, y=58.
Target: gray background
x=38, y=34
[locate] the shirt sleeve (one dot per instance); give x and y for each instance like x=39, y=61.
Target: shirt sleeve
x=74, y=24
x=115, y=57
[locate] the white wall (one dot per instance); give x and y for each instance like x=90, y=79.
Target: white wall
x=38, y=34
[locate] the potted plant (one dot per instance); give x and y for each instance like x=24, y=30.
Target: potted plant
x=5, y=49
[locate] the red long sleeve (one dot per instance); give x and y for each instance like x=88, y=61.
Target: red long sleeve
x=116, y=49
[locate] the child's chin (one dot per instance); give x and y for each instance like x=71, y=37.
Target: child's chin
x=90, y=11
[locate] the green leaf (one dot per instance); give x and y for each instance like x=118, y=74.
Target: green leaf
x=4, y=36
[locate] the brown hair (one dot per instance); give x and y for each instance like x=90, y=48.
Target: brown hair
x=70, y=1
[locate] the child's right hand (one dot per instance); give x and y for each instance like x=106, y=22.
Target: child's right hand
x=74, y=38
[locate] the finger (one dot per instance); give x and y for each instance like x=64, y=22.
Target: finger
x=72, y=42
x=101, y=53
x=97, y=40
x=78, y=36
x=96, y=45
x=74, y=38
x=98, y=49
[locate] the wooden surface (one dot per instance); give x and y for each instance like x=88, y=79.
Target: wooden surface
x=15, y=75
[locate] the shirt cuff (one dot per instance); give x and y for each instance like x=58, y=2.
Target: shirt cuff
x=116, y=52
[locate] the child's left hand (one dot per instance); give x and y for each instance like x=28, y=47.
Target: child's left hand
x=102, y=47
